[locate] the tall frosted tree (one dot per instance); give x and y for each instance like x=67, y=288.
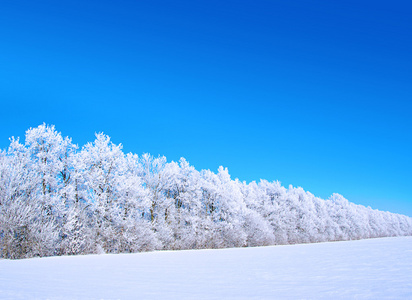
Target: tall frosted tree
x=58, y=200
x=25, y=231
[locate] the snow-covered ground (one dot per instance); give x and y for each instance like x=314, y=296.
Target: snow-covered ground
x=365, y=269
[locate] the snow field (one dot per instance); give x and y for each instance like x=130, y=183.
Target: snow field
x=363, y=269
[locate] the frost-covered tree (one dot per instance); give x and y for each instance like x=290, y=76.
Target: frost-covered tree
x=57, y=200
x=24, y=229
x=117, y=197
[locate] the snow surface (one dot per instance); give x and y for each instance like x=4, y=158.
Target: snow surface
x=364, y=269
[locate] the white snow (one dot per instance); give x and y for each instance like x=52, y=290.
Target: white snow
x=364, y=269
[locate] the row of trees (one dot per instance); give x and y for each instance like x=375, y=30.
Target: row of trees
x=58, y=200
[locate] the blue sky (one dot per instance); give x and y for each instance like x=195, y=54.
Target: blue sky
x=315, y=94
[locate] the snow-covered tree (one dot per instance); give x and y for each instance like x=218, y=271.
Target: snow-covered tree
x=57, y=200
x=24, y=230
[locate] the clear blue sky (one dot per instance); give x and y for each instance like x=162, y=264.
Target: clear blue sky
x=316, y=94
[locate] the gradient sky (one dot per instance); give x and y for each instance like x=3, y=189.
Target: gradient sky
x=316, y=94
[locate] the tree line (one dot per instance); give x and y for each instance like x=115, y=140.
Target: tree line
x=57, y=199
